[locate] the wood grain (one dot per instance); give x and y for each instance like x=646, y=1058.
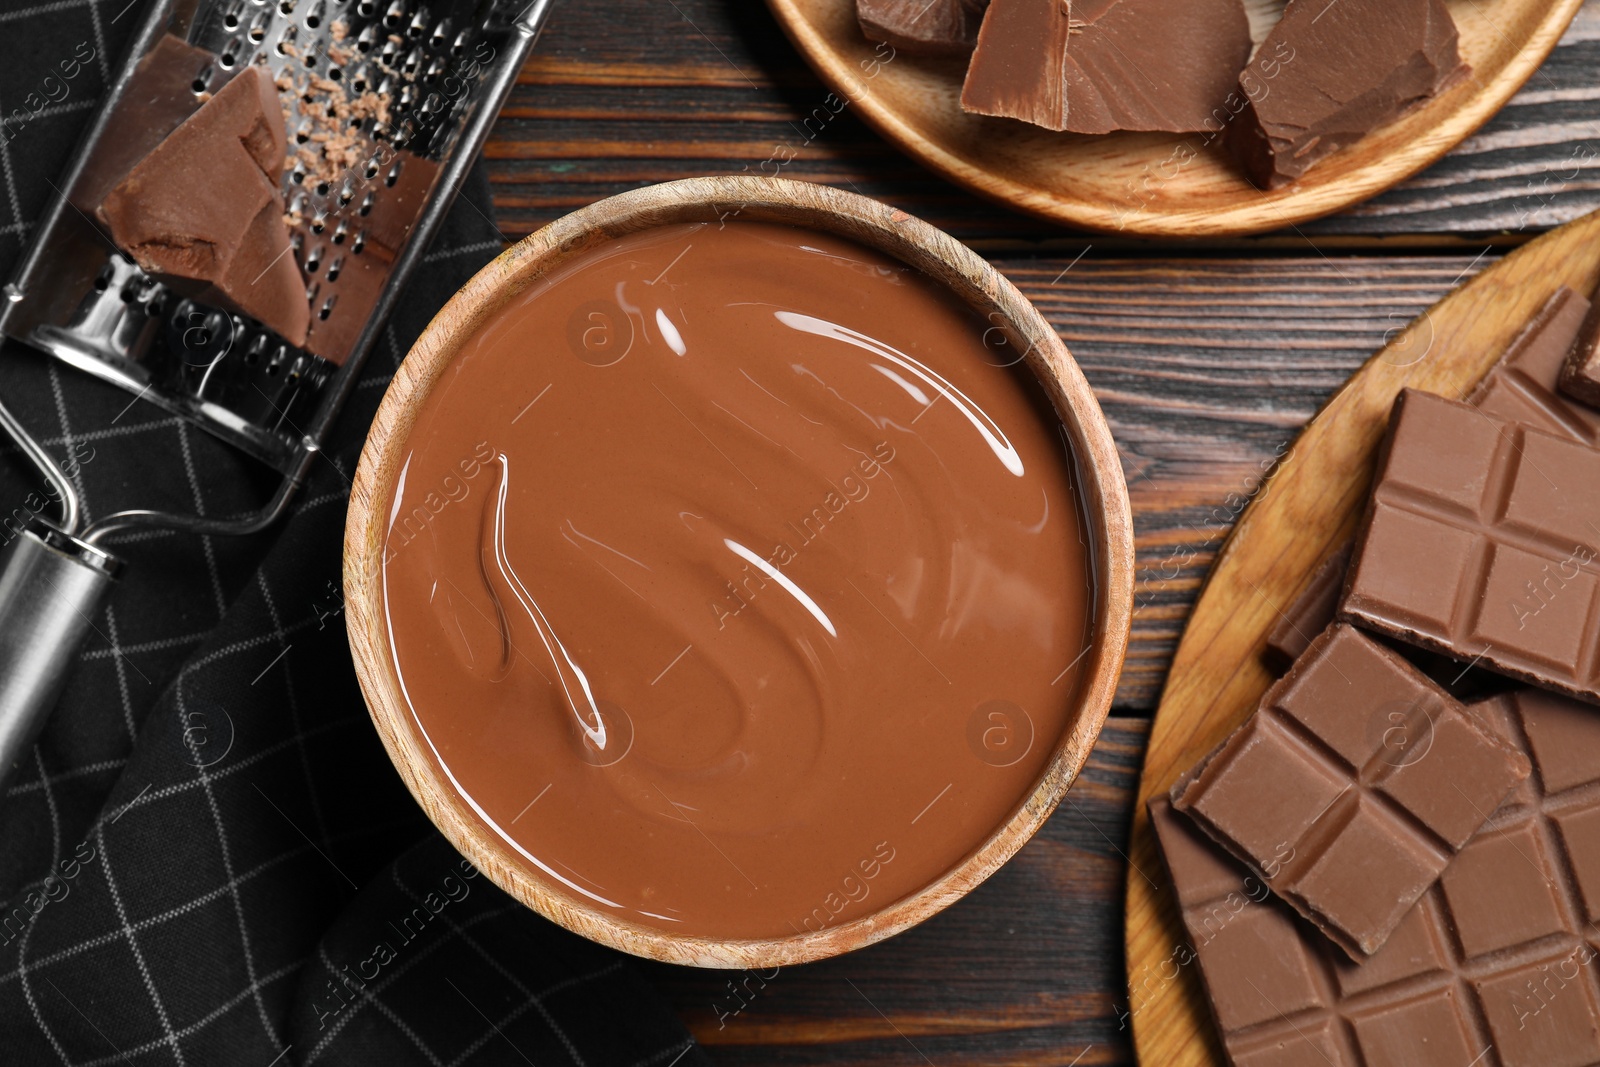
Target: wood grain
x=1099, y=484
x=620, y=93
x=1310, y=503
x=1206, y=369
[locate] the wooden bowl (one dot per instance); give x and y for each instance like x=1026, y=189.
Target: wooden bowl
x=1100, y=485
x=1152, y=184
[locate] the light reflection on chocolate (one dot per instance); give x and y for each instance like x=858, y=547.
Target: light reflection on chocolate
x=764, y=533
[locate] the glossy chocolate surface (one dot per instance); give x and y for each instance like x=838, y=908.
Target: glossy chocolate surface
x=737, y=580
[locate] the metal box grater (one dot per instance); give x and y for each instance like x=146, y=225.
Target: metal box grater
x=409, y=89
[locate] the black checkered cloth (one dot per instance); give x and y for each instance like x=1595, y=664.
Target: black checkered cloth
x=208, y=858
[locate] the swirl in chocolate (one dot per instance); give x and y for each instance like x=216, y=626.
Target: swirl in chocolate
x=714, y=555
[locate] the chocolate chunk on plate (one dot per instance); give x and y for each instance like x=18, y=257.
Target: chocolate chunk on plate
x=203, y=212
x=1314, y=609
x=1480, y=541
x=1310, y=613
x=1580, y=376
x=1524, y=386
x=1106, y=65
x=1502, y=954
x=1333, y=70
x=1351, y=787
x=923, y=27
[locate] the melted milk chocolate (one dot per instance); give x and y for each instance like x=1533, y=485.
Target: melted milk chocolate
x=736, y=582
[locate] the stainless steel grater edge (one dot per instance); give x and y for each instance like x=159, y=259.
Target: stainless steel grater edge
x=438, y=69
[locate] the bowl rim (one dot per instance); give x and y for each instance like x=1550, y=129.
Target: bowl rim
x=1101, y=488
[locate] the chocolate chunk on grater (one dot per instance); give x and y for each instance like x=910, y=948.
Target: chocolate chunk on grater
x=385, y=105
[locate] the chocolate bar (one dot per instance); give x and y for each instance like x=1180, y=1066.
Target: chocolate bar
x=1524, y=385
x=923, y=27
x=1351, y=787
x=1494, y=967
x=1018, y=68
x=1580, y=377
x=1311, y=612
x=1329, y=73
x=203, y=211
x=1107, y=64
x=1480, y=542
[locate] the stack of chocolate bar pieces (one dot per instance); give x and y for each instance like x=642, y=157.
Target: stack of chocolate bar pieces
x=1396, y=859
x=1279, y=95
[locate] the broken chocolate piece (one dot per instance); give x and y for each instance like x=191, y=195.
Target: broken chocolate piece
x=1310, y=613
x=1580, y=376
x=1351, y=787
x=1481, y=541
x=923, y=27
x=203, y=212
x=1522, y=386
x=1333, y=70
x=1153, y=65
x=1018, y=70
x=1500, y=953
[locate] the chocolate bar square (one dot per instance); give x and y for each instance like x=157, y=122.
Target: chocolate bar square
x=1566, y=1005
x=1580, y=837
x=1503, y=869
x=1517, y=986
x=1351, y=787
x=1391, y=1035
x=1480, y=541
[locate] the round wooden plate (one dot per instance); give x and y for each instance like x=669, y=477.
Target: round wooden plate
x=1308, y=505
x=1157, y=185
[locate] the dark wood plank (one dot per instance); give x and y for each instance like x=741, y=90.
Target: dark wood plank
x=1206, y=370
x=1025, y=970
x=620, y=93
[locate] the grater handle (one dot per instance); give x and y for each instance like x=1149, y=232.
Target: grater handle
x=51, y=588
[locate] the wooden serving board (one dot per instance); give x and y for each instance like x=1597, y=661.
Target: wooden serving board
x=1306, y=506
x=1158, y=185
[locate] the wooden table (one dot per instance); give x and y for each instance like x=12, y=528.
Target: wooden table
x=1207, y=359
